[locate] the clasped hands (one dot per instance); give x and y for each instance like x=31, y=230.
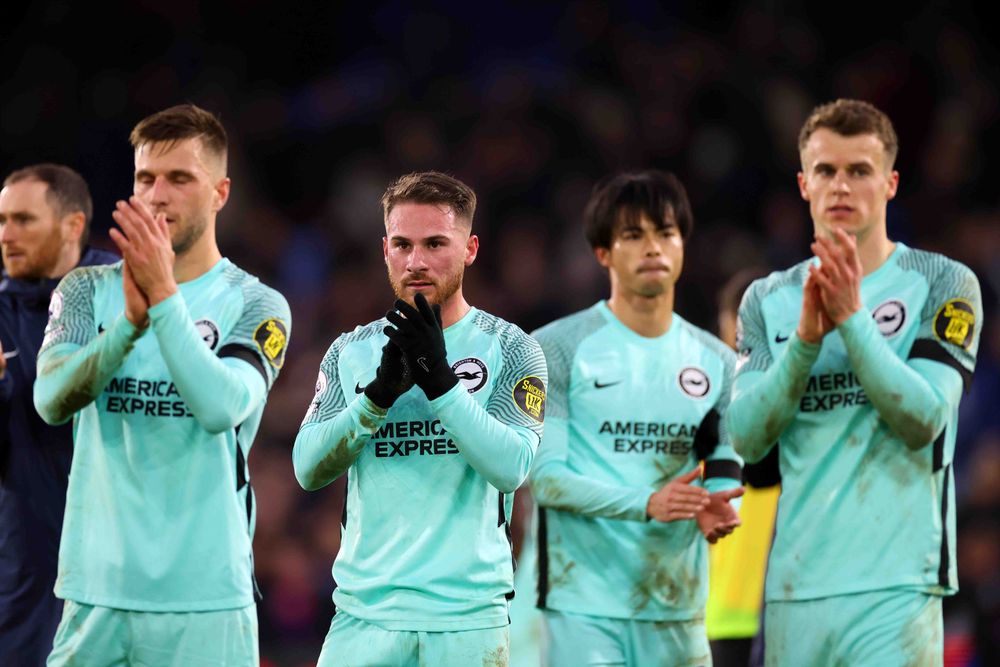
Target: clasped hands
x=148, y=269
x=832, y=292
x=680, y=500
x=415, y=354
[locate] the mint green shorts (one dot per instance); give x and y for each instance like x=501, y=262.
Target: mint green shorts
x=578, y=640
x=91, y=636
x=352, y=642
x=878, y=629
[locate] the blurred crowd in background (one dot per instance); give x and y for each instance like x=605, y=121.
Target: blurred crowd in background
x=530, y=105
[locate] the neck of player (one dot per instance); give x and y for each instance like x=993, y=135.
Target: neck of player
x=874, y=249
x=198, y=259
x=454, y=309
x=648, y=316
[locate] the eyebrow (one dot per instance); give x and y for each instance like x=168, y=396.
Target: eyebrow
x=173, y=173
x=17, y=215
x=437, y=237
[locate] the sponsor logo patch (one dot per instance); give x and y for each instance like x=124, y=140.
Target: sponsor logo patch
x=693, y=382
x=209, y=332
x=529, y=397
x=56, y=305
x=271, y=337
x=889, y=317
x=955, y=322
x=472, y=373
x=320, y=388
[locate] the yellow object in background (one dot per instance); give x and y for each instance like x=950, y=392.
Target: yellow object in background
x=736, y=568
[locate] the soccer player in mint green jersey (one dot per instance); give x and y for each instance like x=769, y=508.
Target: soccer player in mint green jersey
x=164, y=362
x=855, y=361
x=637, y=399
x=434, y=414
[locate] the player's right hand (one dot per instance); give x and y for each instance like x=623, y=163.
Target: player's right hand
x=136, y=303
x=678, y=500
x=814, y=323
x=393, y=378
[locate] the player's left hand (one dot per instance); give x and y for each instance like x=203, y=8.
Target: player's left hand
x=719, y=518
x=144, y=241
x=839, y=276
x=418, y=333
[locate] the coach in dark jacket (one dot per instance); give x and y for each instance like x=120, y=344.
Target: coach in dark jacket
x=45, y=213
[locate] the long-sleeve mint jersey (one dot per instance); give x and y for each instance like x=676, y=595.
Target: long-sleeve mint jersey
x=626, y=415
x=159, y=510
x=425, y=543
x=866, y=424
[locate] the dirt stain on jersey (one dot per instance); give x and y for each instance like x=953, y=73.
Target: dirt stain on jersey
x=659, y=582
x=498, y=657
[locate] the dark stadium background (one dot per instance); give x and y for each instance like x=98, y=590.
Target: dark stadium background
x=529, y=104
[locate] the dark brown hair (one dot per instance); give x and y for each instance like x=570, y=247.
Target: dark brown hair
x=431, y=187
x=850, y=118
x=66, y=191
x=184, y=121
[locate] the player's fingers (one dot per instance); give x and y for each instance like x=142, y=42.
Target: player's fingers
x=402, y=323
x=424, y=308
x=120, y=240
x=729, y=494
x=143, y=212
x=127, y=218
x=689, y=476
x=406, y=310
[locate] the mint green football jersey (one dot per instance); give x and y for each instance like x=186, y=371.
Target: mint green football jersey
x=159, y=511
x=859, y=510
x=425, y=539
x=627, y=414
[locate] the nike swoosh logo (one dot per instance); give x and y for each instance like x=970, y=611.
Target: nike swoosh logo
x=358, y=389
x=11, y=354
x=778, y=338
x=598, y=385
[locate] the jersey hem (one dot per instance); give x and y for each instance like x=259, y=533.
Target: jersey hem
x=145, y=605
x=431, y=624
x=678, y=615
x=817, y=594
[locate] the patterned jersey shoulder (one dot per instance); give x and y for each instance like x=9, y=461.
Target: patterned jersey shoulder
x=794, y=276
x=71, y=308
x=952, y=315
x=265, y=322
x=561, y=338
x=515, y=344
x=710, y=342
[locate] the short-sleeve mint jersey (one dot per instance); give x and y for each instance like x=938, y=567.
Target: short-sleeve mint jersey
x=425, y=538
x=859, y=509
x=626, y=415
x=159, y=512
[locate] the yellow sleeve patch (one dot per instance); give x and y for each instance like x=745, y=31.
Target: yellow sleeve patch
x=529, y=397
x=955, y=322
x=271, y=337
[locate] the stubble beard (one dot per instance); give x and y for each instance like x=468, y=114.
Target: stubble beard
x=441, y=293
x=188, y=237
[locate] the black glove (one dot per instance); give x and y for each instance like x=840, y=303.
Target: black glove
x=392, y=378
x=419, y=335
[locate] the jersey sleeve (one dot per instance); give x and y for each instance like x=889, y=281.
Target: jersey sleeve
x=71, y=311
x=499, y=442
x=261, y=335
x=74, y=362
x=723, y=466
x=333, y=432
x=751, y=332
x=554, y=484
x=951, y=321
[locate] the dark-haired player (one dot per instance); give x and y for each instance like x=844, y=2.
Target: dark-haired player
x=636, y=401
